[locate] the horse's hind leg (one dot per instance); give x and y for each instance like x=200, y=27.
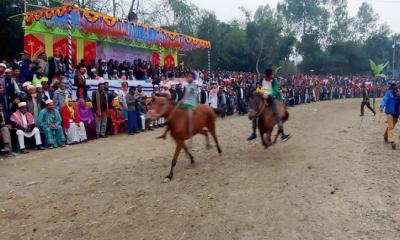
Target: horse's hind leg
x=178, y=149
x=188, y=153
x=211, y=128
x=205, y=133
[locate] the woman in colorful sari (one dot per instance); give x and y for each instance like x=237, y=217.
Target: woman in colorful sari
x=86, y=116
x=73, y=127
x=49, y=121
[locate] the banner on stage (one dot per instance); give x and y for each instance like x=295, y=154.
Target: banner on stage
x=106, y=50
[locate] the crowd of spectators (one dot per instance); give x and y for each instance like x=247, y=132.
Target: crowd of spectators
x=37, y=109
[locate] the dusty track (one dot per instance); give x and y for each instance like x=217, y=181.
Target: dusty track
x=332, y=180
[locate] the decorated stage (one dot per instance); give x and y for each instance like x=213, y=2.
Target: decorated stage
x=98, y=36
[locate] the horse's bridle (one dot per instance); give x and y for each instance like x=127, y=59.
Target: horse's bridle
x=164, y=111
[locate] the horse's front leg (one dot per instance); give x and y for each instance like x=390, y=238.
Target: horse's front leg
x=276, y=136
x=262, y=136
x=164, y=136
x=178, y=149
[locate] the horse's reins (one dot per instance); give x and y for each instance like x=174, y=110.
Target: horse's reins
x=262, y=108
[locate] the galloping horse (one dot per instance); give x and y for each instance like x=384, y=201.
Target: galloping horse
x=258, y=108
x=203, y=122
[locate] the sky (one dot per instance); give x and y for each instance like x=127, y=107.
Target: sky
x=226, y=10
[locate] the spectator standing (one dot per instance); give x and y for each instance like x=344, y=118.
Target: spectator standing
x=391, y=104
x=39, y=77
x=60, y=95
x=101, y=109
x=80, y=81
x=133, y=116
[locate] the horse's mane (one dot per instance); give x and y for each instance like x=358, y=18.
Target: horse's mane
x=257, y=95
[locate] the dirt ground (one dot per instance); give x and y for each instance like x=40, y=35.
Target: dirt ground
x=334, y=179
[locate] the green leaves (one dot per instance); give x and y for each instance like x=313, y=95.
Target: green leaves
x=276, y=69
x=377, y=69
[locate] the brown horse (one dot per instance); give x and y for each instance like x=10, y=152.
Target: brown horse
x=259, y=109
x=177, y=121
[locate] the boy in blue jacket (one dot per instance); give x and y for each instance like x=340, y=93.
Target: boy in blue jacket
x=391, y=104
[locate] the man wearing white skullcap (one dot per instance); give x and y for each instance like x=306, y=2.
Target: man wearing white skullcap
x=24, y=122
x=49, y=121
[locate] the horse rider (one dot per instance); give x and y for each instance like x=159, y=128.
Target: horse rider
x=391, y=104
x=365, y=101
x=188, y=102
x=270, y=91
x=190, y=98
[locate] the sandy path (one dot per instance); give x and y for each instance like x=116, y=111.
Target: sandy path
x=332, y=180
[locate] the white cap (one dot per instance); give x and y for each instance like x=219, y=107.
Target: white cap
x=49, y=101
x=8, y=70
x=21, y=104
x=3, y=65
x=39, y=86
x=93, y=70
x=26, y=84
x=30, y=87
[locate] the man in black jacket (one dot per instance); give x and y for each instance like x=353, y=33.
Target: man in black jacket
x=100, y=108
x=174, y=95
x=204, y=95
x=240, y=93
x=179, y=91
x=56, y=67
x=365, y=101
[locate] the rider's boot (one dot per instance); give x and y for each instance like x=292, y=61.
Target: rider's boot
x=284, y=136
x=253, y=136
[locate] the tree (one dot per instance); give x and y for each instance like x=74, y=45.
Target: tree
x=366, y=22
x=11, y=34
x=185, y=16
x=305, y=16
x=340, y=26
x=265, y=39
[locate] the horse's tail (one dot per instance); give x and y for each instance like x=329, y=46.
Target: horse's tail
x=286, y=117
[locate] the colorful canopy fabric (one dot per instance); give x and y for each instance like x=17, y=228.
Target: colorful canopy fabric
x=103, y=26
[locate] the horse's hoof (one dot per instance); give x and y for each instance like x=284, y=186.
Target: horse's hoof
x=167, y=180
